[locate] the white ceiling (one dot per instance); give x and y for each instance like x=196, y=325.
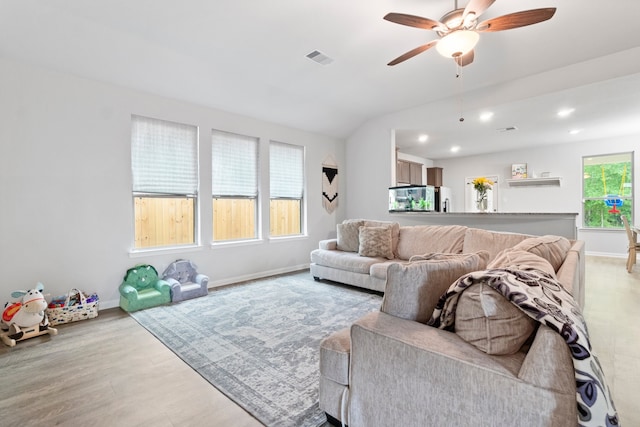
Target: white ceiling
x=248, y=57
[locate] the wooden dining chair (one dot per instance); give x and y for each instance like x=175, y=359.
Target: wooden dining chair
x=634, y=246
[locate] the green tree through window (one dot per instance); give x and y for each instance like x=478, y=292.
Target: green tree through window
x=607, y=190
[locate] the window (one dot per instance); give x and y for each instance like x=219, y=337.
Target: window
x=234, y=186
x=607, y=190
x=164, y=162
x=286, y=172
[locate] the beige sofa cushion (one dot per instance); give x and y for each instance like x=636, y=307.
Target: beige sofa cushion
x=376, y=242
x=347, y=261
x=334, y=356
x=413, y=288
x=489, y=322
x=476, y=239
x=379, y=269
x=347, y=235
x=521, y=260
x=423, y=239
x=552, y=248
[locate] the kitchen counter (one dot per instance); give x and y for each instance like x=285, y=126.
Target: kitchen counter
x=536, y=223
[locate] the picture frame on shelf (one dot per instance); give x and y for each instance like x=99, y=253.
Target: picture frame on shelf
x=518, y=170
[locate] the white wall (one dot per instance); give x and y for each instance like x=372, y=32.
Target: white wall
x=66, y=215
x=369, y=166
x=564, y=161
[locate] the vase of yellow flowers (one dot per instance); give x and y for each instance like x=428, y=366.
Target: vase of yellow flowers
x=482, y=185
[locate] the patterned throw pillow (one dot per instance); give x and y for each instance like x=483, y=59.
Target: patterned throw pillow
x=375, y=242
x=348, y=236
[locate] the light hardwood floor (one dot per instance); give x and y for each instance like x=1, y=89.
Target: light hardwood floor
x=110, y=371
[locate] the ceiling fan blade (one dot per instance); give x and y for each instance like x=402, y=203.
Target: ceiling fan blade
x=477, y=7
x=465, y=59
x=516, y=20
x=415, y=21
x=413, y=53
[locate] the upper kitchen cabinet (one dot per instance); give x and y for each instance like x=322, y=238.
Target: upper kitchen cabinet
x=434, y=177
x=408, y=173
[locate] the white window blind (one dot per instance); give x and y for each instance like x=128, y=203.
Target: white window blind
x=164, y=156
x=234, y=160
x=286, y=170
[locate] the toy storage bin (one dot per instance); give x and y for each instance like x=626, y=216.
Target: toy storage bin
x=72, y=307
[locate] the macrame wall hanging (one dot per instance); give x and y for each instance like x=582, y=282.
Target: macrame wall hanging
x=329, y=184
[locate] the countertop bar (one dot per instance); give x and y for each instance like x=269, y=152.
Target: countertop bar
x=535, y=223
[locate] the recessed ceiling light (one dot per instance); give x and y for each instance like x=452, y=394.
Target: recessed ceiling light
x=455, y=149
x=565, y=112
x=486, y=116
x=423, y=138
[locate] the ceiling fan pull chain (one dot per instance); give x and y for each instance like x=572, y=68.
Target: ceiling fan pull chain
x=460, y=91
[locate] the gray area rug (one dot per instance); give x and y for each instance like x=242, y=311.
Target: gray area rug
x=258, y=342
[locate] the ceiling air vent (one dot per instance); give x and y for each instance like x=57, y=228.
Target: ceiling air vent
x=507, y=129
x=319, y=57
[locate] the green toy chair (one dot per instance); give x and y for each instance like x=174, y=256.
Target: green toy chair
x=143, y=289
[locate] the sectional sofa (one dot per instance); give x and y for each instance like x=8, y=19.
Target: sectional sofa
x=390, y=368
x=364, y=262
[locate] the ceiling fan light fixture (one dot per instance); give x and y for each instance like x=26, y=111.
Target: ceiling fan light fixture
x=457, y=43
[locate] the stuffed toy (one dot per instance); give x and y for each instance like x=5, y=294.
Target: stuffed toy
x=25, y=318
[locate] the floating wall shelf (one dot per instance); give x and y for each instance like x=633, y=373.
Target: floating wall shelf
x=534, y=181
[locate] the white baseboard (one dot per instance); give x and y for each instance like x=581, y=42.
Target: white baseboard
x=606, y=254
x=254, y=276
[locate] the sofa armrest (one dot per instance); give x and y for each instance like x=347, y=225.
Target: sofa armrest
x=128, y=291
x=162, y=286
x=548, y=363
x=173, y=283
x=202, y=280
x=328, y=244
x=406, y=373
x=430, y=341
x=571, y=272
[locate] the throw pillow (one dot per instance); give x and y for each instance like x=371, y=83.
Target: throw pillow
x=420, y=239
x=395, y=231
x=521, y=260
x=348, y=236
x=489, y=322
x=476, y=239
x=375, y=242
x=552, y=248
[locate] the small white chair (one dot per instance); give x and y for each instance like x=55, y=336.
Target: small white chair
x=185, y=281
x=634, y=246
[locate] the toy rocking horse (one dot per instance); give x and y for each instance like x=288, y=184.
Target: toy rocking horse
x=26, y=318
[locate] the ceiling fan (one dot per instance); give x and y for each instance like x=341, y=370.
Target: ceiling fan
x=459, y=28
